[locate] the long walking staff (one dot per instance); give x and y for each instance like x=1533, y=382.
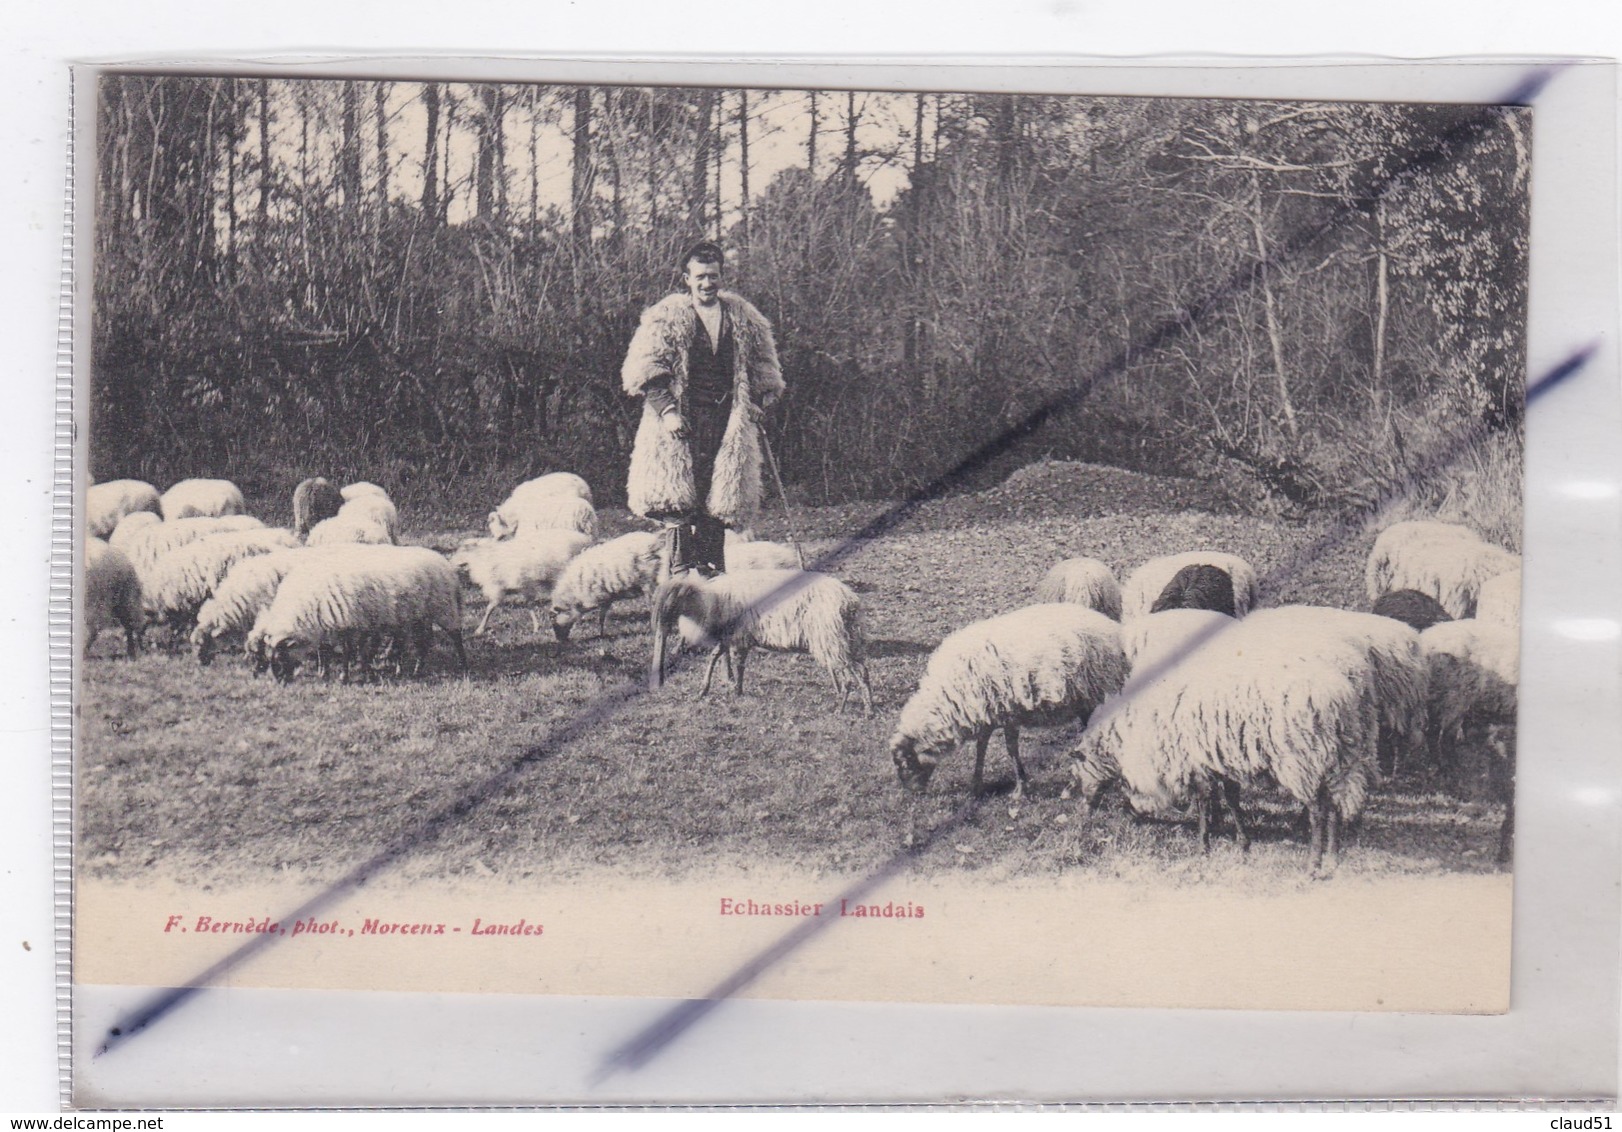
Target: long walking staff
x=788, y=512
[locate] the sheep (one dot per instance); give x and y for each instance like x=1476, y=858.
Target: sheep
x=1148, y=581
x=348, y=529
x=1474, y=676
x=130, y=524
x=314, y=500
x=1416, y=610
x=1161, y=637
x=528, y=565
x=1300, y=706
x=543, y=512
x=553, y=483
x=183, y=579
x=201, y=499
x=1040, y=665
x=243, y=592
x=1082, y=581
x=1446, y=561
x=359, y=489
x=107, y=503
x=743, y=552
x=150, y=542
x=1499, y=600
x=1199, y=586
x=601, y=575
x=378, y=509
x=799, y=610
x=350, y=597
x=112, y=596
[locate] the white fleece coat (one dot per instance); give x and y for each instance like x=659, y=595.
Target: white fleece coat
x=661, y=476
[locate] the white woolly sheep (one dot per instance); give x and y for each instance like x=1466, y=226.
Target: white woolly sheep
x=360, y=489
x=1443, y=560
x=1044, y=664
x=147, y=544
x=314, y=500
x=378, y=509
x=245, y=591
x=1296, y=693
x=348, y=530
x=553, y=483
x=556, y=512
x=744, y=552
x=1082, y=581
x=130, y=524
x=1499, y=601
x=350, y=598
x=1474, y=674
x=107, y=503
x=1163, y=637
x=795, y=610
x=1148, y=581
x=601, y=575
x=183, y=579
x=201, y=499
x=1416, y=610
x=1197, y=587
x=528, y=566
x=112, y=594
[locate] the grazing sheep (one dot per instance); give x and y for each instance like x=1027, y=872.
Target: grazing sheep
x=147, y=544
x=314, y=500
x=130, y=524
x=112, y=596
x=530, y=513
x=245, y=591
x=1416, y=610
x=359, y=489
x=201, y=499
x=1446, y=561
x=1199, y=586
x=372, y=508
x=528, y=565
x=1162, y=638
x=107, y=503
x=553, y=483
x=1082, y=581
x=743, y=552
x=1040, y=665
x=601, y=575
x=1474, y=677
x=352, y=597
x=1500, y=601
x=798, y=610
x=348, y=528
x=1295, y=696
x=1148, y=581
x=183, y=579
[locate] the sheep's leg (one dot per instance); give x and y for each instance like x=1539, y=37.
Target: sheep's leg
x=602, y=619
x=488, y=610
x=1011, y=737
x=709, y=673
x=737, y=684
x=534, y=620
x=977, y=785
x=867, y=689
x=1332, y=825
x=1315, y=848
x=1205, y=805
x=1230, y=795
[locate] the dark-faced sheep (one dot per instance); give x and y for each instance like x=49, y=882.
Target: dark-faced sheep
x=1148, y=581
x=314, y=500
x=1416, y=610
x=1200, y=586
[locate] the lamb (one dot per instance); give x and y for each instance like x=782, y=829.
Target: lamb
x=1416, y=610
x=1298, y=693
x=528, y=565
x=1499, y=601
x=348, y=528
x=107, y=503
x=351, y=597
x=1198, y=586
x=195, y=499
x=543, y=512
x=1446, y=561
x=112, y=596
x=146, y=545
x=1082, y=581
x=1149, y=581
x=779, y=609
x=744, y=553
x=314, y=500
x=130, y=524
x=601, y=575
x=183, y=579
x=1040, y=665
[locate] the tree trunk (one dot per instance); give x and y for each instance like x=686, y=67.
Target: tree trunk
x=698, y=185
x=265, y=167
x=1275, y=336
x=349, y=154
x=849, y=166
x=430, y=157
x=811, y=141
x=582, y=187
x=380, y=105
x=743, y=166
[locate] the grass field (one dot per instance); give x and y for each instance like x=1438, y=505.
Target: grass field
x=551, y=759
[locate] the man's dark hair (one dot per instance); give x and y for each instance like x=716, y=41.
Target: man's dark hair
x=705, y=251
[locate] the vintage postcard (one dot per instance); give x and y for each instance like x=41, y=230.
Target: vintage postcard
x=693, y=541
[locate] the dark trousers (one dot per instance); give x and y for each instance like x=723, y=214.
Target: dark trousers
x=697, y=542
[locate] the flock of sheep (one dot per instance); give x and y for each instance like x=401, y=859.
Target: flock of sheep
x=1189, y=692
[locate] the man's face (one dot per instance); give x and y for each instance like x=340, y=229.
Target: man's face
x=703, y=281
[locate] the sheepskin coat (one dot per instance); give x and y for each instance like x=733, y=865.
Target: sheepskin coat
x=661, y=477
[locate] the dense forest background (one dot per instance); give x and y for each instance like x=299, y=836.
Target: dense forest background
x=432, y=285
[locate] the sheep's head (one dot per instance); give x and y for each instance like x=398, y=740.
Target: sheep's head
x=202, y=644
x=562, y=621
x=499, y=526
x=1093, y=768
x=913, y=767
x=284, y=657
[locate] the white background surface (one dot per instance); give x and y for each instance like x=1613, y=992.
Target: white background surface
x=37, y=39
